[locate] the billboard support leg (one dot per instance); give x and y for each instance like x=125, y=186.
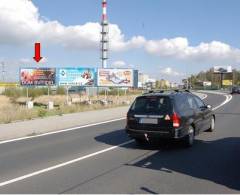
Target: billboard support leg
x=97, y=93
x=118, y=96
x=221, y=78
x=233, y=77
x=48, y=91
x=27, y=92
x=87, y=89
x=105, y=92
x=67, y=95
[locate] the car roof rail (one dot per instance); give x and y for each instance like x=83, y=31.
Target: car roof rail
x=180, y=90
x=154, y=91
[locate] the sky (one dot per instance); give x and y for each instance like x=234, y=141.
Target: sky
x=167, y=39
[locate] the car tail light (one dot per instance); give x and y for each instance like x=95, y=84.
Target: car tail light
x=175, y=120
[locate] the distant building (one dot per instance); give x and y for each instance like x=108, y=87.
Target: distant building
x=144, y=81
x=151, y=83
x=163, y=84
x=143, y=78
x=173, y=85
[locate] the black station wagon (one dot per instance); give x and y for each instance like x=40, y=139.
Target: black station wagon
x=169, y=114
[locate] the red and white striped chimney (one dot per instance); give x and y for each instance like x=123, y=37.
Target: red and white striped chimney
x=104, y=34
x=104, y=10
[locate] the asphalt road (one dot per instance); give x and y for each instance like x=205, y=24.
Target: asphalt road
x=101, y=166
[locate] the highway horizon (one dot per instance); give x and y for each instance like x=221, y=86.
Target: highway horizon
x=102, y=159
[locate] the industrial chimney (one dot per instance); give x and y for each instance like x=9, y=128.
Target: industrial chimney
x=104, y=35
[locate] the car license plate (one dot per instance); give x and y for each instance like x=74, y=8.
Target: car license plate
x=149, y=121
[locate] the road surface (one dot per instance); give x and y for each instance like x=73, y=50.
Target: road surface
x=102, y=159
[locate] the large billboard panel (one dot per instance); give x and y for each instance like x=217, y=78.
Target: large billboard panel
x=115, y=77
x=207, y=83
x=76, y=76
x=37, y=76
x=227, y=82
x=222, y=69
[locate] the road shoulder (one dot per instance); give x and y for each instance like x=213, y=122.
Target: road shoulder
x=58, y=123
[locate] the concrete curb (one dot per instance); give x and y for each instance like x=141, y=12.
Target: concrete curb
x=54, y=123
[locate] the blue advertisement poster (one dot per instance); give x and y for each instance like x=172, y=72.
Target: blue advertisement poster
x=76, y=76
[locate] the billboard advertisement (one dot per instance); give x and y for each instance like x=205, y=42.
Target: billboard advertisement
x=115, y=77
x=37, y=76
x=227, y=82
x=76, y=76
x=207, y=83
x=222, y=69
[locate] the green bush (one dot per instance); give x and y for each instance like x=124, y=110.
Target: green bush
x=14, y=92
x=114, y=92
x=42, y=112
x=20, y=92
x=36, y=92
x=61, y=91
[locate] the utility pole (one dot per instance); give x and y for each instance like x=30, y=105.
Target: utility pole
x=3, y=71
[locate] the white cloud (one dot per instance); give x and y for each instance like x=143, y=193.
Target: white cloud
x=170, y=72
x=119, y=64
x=122, y=64
x=21, y=23
x=167, y=47
x=31, y=61
x=179, y=48
x=25, y=60
x=132, y=66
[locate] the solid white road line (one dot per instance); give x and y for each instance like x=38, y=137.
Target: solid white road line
x=228, y=98
x=204, y=96
x=62, y=164
x=61, y=131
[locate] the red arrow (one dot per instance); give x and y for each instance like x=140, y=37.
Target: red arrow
x=37, y=56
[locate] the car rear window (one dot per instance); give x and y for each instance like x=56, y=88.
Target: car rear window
x=155, y=105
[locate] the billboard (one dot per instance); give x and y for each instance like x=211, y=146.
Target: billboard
x=207, y=83
x=76, y=76
x=222, y=69
x=37, y=76
x=115, y=77
x=227, y=82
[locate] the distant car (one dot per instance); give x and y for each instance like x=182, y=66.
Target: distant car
x=176, y=115
x=235, y=90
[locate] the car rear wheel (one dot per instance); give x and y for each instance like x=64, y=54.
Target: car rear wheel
x=189, y=139
x=212, y=125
